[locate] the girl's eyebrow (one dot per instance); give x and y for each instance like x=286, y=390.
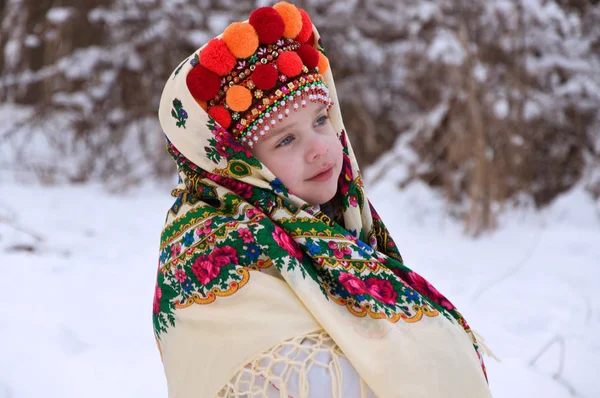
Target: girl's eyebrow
x=289, y=126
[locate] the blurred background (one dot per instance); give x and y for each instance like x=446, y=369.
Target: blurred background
x=476, y=124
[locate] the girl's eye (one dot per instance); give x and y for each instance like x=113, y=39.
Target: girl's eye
x=286, y=141
x=321, y=121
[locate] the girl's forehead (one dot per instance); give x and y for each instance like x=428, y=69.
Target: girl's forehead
x=301, y=116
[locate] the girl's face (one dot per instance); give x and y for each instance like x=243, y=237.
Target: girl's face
x=304, y=152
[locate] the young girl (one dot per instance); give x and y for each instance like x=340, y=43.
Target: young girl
x=277, y=278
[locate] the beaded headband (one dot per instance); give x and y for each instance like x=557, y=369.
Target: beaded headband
x=248, y=79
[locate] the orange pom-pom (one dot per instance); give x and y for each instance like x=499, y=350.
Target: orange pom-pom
x=238, y=98
x=323, y=63
x=289, y=63
x=291, y=17
x=307, y=27
x=203, y=104
x=216, y=57
x=241, y=39
x=221, y=115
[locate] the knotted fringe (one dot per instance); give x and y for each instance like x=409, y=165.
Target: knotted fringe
x=483, y=347
x=287, y=369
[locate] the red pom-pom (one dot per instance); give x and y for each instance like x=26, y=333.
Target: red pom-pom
x=268, y=24
x=307, y=28
x=203, y=84
x=289, y=63
x=265, y=76
x=216, y=57
x=309, y=56
x=221, y=115
x=311, y=39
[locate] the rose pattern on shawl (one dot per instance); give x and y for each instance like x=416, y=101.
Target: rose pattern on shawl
x=223, y=145
x=225, y=255
x=205, y=270
x=425, y=288
x=157, y=297
x=239, y=187
x=352, y=283
x=382, y=290
x=285, y=241
x=345, y=178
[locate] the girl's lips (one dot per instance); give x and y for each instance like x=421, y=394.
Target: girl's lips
x=324, y=176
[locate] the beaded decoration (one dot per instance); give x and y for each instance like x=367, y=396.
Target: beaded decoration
x=250, y=78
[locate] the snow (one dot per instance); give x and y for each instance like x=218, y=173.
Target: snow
x=58, y=15
x=79, y=266
x=446, y=48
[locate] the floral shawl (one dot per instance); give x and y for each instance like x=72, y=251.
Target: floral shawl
x=245, y=264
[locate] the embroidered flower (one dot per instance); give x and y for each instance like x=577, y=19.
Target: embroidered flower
x=411, y=294
x=180, y=275
x=352, y=283
x=188, y=239
x=363, y=248
x=157, y=296
x=175, y=250
x=278, y=186
x=179, y=113
x=382, y=290
x=422, y=286
x=253, y=252
x=285, y=241
x=246, y=235
x=313, y=248
x=252, y=212
x=352, y=200
x=205, y=270
x=225, y=255
x=187, y=285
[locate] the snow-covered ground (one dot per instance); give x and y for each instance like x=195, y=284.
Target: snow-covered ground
x=78, y=268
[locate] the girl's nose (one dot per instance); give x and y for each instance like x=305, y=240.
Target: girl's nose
x=317, y=148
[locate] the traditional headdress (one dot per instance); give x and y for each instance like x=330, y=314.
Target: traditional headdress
x=250, y=77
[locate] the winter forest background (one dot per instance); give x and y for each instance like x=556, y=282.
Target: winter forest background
x=479, y=119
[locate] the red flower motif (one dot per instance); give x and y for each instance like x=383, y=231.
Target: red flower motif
x=205, y=270
x=345, y=176
x=239, y=187
x=352, y=200
x=382, y=290
x=223, y=256
x=175, y=250
x=252, y=212
x=425, y=288
x=352, y=283
x=246, y=235
x=180, y=275
x=287, y=243
x=157, y=296
x=226, y=141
